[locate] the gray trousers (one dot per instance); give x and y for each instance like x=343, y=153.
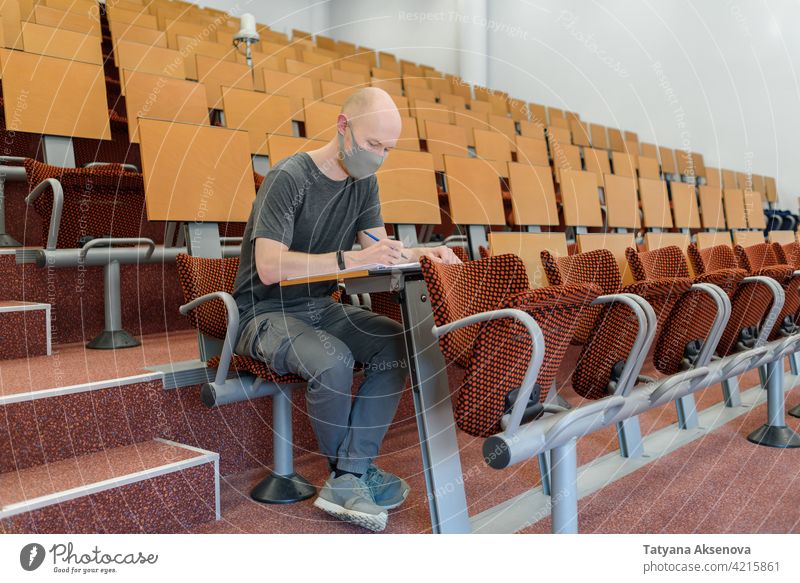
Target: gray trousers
x=320, y=340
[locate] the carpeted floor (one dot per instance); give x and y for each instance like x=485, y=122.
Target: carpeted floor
x=718, y=484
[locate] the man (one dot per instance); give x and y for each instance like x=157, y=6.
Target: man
x=309, y=211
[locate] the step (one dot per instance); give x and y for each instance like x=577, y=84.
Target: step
x=156, y=486
x=24, y=329
x=75, y=364
x=150, y=296
x=49, y=425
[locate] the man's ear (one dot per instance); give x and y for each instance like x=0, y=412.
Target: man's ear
x=341, y=123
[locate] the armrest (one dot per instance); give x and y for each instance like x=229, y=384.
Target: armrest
x=12, y=159
x=128, y=167
x=645, y=333
x=778, y=299
x=110, y=242
x=11, y=172
x=13, y=169
x=788, y=346
x=723, y=303
x=58, y=206
x=454, y=239
x=667, y=387
x=231, y=250
x=537, y=353
x=603, y=410
x=232, y=311
x=740, y=362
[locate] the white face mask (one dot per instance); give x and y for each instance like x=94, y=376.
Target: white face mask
x=358, y=162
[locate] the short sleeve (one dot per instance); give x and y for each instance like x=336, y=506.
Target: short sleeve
x=275, y=208
x=370, y=215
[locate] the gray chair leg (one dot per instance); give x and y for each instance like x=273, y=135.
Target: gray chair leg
x=775, y=433
x=687, y=412
x=6, y=240
x=282, y=485
x=730, y=392
x=114, y=336
x=564, y=497
x=544, y=471
x=794, y=363
x=630, y=438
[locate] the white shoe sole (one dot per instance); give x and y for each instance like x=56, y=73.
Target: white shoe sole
x=373, y=522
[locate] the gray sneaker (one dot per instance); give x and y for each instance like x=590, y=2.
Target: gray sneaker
x=388, y=490
x=349, y=498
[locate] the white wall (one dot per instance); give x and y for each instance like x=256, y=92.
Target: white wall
x=280, y=15
x=391, y=26
x=399, y=28
x=715, y=76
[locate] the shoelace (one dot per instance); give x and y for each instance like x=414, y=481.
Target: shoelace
x=373, y=477
x=365, y=487
x=361, y=486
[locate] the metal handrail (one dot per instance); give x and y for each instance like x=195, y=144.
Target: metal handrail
x=721, y=318
x=537, y=354
x=58, y=206
x=646, y=319
x=111, y=241
x=779, y=297
x=128, y=167
x=231, y=330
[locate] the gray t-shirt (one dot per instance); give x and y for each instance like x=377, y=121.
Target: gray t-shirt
x=308, y=212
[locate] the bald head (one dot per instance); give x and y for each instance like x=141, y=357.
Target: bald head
x=374, y=115
x=370, y=101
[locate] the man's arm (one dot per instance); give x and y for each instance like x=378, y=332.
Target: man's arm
x=274, y=261
x=442, y=253
x=370, y=220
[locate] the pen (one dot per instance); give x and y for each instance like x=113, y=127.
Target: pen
x=374, y=238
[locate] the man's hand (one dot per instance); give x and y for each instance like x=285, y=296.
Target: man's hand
x=441, y=254
x=385, y=251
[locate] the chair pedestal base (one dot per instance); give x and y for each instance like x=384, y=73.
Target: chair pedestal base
x=113, y=336
x=775, y=433
x=275, y=489
x=111, y=339
x=775, y=436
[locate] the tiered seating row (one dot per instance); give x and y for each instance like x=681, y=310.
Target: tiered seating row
x=468, y=156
